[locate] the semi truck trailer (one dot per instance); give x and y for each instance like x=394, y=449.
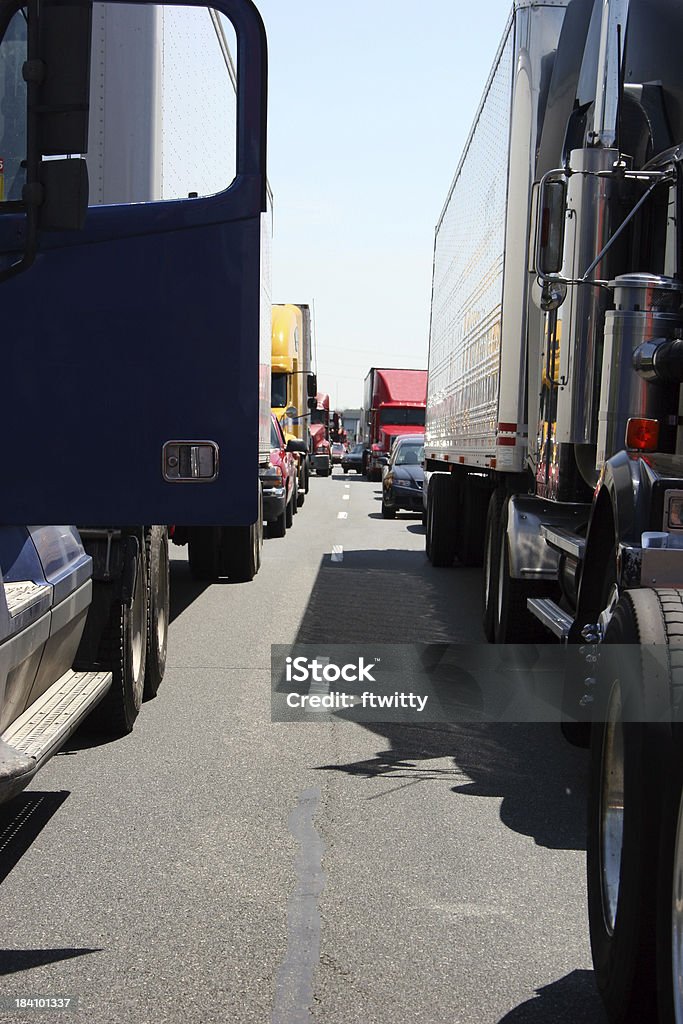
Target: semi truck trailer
x=553, y=446
x=293, y=383
x=393, y=404
x=112, y=313
x=320, y=435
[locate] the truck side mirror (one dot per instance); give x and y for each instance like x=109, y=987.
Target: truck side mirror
x=312, y=404
x=311, y=387
x=58, y=77
x=550, y=226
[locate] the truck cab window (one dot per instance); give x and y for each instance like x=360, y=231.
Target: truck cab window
x=157, y=129
x=12, y=110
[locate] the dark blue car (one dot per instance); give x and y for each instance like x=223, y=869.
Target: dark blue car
x=403, y=477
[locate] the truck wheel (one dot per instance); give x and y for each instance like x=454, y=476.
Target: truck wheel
x=670, y=896
x=122, y=651
x=289, y=514
x=441, y=510
x=307, y=478
x=158, y=594
x=239, y=559
x=301, y=490
x=295, y=498
x=203, y=552
x=491, y=562
x=513, y=623
x=470, y=532
x=632, y=756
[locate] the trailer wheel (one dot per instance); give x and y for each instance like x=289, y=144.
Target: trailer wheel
x=513, y=623
x=470, y=532
x=158, y=606
x=491, y=562
x=203, y=552
x=122, y=651
x=441, y=513
x=632, y=756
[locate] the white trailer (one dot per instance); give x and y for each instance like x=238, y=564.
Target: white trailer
x=554, y=418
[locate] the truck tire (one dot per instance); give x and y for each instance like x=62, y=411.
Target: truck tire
x=203, y=552
x=441, y=512
x=158, y=607
x=470, y=532
x=670, y=890
x=513, y=622
x=289, y=514
x=122, y=651
x=295, y=498
x=307, y=477
x=240, y=557
x=491, y=562
x=633, y=754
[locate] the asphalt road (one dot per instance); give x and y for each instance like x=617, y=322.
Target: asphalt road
x=214, y=866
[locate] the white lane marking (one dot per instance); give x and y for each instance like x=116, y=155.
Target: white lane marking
x=347, y=486
x=337, y=553
x=342, y=515
x=318, y=688
x=346, y=497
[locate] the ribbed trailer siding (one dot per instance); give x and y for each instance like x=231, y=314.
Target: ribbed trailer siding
x=467, y=289
x=477, y=392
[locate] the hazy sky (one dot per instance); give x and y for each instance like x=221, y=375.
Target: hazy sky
x=371, y=102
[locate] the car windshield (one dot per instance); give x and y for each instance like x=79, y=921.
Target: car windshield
x=274, y=437
x=409, y=455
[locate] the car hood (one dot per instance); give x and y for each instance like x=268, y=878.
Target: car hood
x=415, y=473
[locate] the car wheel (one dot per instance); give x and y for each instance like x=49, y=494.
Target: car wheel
x=387, y=511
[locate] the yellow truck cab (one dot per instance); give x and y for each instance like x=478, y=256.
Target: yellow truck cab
x=292, y=380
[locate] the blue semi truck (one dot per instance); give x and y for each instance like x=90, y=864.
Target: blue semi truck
x=121, y=321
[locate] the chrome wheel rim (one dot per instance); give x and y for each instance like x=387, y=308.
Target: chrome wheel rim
x=138, y=629
x=612, y=809
x=501, y=572
x=487, y=572
x=162, y=624
x=677, y=921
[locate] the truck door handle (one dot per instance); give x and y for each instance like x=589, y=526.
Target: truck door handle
x=190, y=462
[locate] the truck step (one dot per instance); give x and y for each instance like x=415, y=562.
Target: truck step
x=564, y=540
x=41, y=730
x=551, y=615
x=26, y=602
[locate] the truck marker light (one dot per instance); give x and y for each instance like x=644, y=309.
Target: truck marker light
x=642, y=434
